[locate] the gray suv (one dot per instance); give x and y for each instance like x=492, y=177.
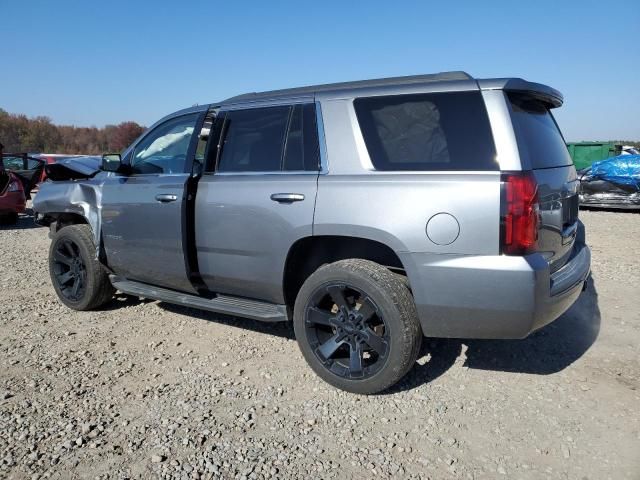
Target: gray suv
x=369, y=213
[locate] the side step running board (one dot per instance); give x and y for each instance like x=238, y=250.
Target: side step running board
x=241, y=307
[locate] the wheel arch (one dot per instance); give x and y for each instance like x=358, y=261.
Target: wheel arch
x=59, y=204
x=58, y=220
x=307, y=254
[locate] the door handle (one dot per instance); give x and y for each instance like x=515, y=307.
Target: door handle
x=287, y=197
x=166, y=197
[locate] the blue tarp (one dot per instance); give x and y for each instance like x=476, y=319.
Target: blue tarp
x=623, y=169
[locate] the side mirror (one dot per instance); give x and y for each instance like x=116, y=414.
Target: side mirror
x=111, y=162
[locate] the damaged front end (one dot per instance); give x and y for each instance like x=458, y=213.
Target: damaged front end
x=73, y=168
x=73, y=194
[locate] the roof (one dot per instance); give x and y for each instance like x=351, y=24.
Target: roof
x=461, y=79
x=359, y=84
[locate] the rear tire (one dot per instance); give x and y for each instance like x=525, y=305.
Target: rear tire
x=80, y=281
x=357, y=326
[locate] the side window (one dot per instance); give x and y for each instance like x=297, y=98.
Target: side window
x=433, y=131
x=254, y=140
x=164, y=150
x=302, y=152
x=33, y=164
x=13, y=163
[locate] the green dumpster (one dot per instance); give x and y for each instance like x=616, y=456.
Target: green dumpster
x=585, y=153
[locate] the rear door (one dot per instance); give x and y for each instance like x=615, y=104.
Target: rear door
x=28, y=169
x=257, y=198
x=543, y=150
x=142, y=212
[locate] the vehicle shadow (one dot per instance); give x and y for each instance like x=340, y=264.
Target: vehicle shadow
x=25, y=222
x=122, y=300
x=280, y=329
x=549, y=350
x=591, y=208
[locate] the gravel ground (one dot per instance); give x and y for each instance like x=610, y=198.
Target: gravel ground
x=145, y=389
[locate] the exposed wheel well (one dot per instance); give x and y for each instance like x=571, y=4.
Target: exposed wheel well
x=308, y=254
x=59, y=220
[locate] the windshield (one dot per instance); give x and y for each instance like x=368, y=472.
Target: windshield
x=539, y=140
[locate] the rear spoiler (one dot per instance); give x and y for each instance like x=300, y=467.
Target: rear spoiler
x=552, y=97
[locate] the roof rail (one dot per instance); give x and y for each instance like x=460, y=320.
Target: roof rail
x=378, y=82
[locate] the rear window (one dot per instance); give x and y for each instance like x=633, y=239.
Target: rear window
x=540, y=142
x=435, y=131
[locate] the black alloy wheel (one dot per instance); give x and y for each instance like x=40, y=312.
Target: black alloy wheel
x=346, y=331
x=69, y=270
x=357, y=325
x=78, y=277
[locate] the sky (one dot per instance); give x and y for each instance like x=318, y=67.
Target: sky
x=94, y=63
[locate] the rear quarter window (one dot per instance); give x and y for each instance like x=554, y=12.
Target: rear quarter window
x=433, y=132
x=540, y=142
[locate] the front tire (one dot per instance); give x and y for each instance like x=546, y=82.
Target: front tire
x=78, y=278
x=357, y=326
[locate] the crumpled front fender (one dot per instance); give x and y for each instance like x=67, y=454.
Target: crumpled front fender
x=73, y=197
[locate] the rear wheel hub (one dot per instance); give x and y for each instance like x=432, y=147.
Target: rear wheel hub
x=347, y=331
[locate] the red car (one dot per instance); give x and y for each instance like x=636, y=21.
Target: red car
x=19, y=173
x=12, y=197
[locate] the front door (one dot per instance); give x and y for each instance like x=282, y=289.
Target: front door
x=142, y=219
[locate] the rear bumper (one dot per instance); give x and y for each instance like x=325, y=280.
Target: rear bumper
x=493, y=296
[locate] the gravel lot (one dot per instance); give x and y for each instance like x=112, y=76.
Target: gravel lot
x=145, y=389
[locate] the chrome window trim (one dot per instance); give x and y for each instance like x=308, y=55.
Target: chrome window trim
x=276, y=102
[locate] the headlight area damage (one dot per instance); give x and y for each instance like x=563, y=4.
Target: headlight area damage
x=73, y=194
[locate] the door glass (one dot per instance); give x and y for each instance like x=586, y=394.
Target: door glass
x=255, y=140
x=302, y=152
x=13, y=163
x=294, y=152
x=164, y=150
x=203, y=140
x=33, y=164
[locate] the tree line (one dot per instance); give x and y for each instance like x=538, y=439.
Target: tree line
x=18, y=133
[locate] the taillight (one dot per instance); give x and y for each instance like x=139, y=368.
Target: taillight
x=520, y=213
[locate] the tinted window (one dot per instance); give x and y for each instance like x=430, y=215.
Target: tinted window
x=302, y=152
x=164, y=150
x=540, y=142
x=435, y=131
x=254, y=140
